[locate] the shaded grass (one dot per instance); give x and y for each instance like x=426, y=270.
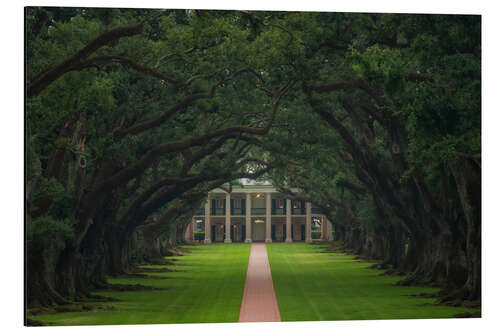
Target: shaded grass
x=311, y=285
x=206, y=286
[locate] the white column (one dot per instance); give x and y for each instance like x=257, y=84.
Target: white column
x=329, y=236
x=248, y=218
x=288, y=221
x=228, y=218
x=268, y=218
x=208, y=239
x=308, y=223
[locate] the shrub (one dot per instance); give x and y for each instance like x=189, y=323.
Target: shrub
x=316, y=234
x=199, y=235
x=46, y=230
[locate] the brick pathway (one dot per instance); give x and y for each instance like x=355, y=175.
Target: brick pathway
x=259, y=301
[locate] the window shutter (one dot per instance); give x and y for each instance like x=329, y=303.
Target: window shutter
x=213, y=207
x=243, y=206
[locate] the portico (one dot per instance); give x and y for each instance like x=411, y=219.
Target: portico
x=253, y=213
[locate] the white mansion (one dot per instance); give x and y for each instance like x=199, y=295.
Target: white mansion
x=256, y=213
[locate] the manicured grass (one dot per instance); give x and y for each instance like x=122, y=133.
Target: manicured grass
x=311, y=285
x=207, y=287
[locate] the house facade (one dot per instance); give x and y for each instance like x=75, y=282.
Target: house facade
x=257, y=213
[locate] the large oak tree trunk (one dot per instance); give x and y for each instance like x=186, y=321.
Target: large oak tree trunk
x=467, y=175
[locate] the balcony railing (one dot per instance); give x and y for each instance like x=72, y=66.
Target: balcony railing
x=258, y=211
x=219, y=212
x=315, y=210
x=238, y=211
x=255, y=211
x=278, y=211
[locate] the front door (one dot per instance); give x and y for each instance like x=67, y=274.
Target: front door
x=259, y=232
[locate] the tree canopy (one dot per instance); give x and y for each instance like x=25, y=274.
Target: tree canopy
x=134, y=115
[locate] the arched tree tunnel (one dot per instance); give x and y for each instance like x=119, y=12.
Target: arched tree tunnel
x=134, y=115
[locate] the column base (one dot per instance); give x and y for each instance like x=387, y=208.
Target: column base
x=227, y=241
x=308, y=240
x=248, y=240
x=269, y=240
x=288, y=241
x=207, y=241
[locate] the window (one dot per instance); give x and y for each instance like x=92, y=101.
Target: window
x=219, y=203
x=237, y=203
x=297, y=204
x=281, y=203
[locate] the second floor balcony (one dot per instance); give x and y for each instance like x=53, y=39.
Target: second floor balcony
x=256, y=211
x=315, y=210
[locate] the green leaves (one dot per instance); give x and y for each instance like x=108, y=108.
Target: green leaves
x=425, y=70
x=46, y=231
x=383, y=67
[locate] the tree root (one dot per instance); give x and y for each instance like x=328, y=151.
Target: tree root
x=152, y=270
x=468, y=315
x=130, y=287
x=75, y=307
x=393, y=272
x=157, y=261
x=424, y=295
x=97, y=298
x=31, y=322
x=142, y=276
x=380, y=266
x=457, y=298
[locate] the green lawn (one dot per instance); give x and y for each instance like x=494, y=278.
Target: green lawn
x=310, y=285
x=207, y=287
x=208, y=283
